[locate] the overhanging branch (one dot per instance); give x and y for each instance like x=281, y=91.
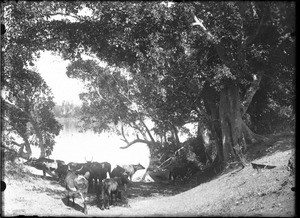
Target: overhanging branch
x=123, y=134
x=250, y=93
x=147, y=130
x=136, y=141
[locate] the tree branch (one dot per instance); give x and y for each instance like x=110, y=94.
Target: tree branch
x=147, y=130
x=7, y=148
x=135, y=126
x=217, y=42
x=165, y=162
x=250, y=93
x=251, y=38
x=199, y=22
x=67, y=15
x=122, y=131
x=136, y=141
x=17, y=144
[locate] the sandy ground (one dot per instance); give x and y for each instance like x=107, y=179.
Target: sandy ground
x=248, y=192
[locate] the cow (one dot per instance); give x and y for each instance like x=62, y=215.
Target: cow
x=77, y=184
x=80, y=168
x=110, y=190
x=62, y=171
x=120, y=172
x=47, y=165
x=131, y=169
x=99, y=171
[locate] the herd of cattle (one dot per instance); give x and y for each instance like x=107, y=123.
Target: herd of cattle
x=81, y=178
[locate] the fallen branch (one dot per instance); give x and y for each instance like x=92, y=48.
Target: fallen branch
x=262, y=166
x=165, y=162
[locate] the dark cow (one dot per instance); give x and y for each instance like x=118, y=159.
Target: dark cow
x=77, y=184
x=80, y=168
x=62, y=171
x=131, y=169
x=122, y=181
x=99, y=171
x=110, y=190
x=45, y=164
x=120, y=172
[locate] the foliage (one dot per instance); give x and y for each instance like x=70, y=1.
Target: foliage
x=66, y=109
x=173, y=66
x=26, y=100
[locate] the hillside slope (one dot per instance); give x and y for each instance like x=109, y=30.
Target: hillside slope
x=248, y=192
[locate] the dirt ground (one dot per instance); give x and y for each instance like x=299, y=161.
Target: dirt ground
x=246, y=192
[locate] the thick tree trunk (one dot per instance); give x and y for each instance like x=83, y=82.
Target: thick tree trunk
x=200, y=149
x=210, y=98
x=233, y=140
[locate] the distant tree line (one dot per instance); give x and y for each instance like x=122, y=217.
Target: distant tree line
x=66, y=109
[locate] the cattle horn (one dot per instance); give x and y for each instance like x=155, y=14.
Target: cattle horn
x=87, y=160
x=79, y=169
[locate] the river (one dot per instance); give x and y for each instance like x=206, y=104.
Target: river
x=72, y=145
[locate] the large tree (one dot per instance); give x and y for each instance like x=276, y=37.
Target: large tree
x=198, y=61
x=26, y=100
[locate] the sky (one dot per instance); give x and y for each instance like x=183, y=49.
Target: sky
x=75, y=146
x=53, y=70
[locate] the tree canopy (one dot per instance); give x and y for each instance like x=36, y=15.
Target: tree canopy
x=229, y=66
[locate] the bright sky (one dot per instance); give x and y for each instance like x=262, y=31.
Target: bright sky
x=53, y=70
x=78, y=146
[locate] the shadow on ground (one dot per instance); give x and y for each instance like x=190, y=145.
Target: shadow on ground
x=152, y=189
x=71, y=205
x=137, y=191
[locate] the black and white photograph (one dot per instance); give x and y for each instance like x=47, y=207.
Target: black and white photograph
x=148, y=108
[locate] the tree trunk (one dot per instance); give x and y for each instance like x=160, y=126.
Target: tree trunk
x=199, y=149
x=210, y=98
x=26, y=155
x=175, y=133
x=233, y=140
x=39, y=135
x=253, y=137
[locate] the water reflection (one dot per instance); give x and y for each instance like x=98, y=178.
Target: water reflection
x=72, y=145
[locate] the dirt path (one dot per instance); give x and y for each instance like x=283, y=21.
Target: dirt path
x=246, y=193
